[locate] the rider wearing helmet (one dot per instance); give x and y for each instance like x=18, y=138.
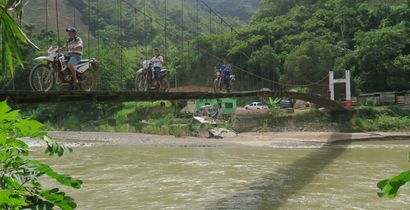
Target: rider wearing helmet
x=74, y=45
x=226, y=70
x=158, y=62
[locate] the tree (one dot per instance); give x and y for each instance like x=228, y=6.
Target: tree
x=267, y=63
x=377, y=56
x=309, y=63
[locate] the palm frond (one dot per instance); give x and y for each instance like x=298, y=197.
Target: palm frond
x=11, y=34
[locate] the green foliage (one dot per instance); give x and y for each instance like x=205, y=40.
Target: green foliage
x=145, y=117
x=390, y=187
x=20, y=185
x=273, y=103
x=11, y=36
x=299, y=41
x=391, y=118
x=312, y=58
x=241, y=9
x=380, y=61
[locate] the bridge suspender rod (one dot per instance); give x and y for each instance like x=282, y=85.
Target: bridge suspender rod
x=216, y=13
x=46, y=14
x=119, y=13
x=145, y=30
x=89, y=28
x=197, y=19
x=210, y=21
x=182, y=24
x=182, y=43
x=136, y=43
x=121, y=49
x=222, y=26
x=165, y=29
x=57, y=22
x=197, y=25
x=97, y=7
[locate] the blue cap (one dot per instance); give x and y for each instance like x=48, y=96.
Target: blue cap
x=71, y=29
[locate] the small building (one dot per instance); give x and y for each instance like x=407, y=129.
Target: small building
x=403, y=97
x=384, y=98
x=407, y=98
x=228, y=105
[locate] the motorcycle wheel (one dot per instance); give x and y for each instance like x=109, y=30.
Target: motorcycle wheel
x=41, y=78
x=229, y=90
x=141, y=84
x=218, y=85
x=164, y=85
x=88, y=80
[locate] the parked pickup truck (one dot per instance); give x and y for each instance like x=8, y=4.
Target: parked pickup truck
x=256, y=106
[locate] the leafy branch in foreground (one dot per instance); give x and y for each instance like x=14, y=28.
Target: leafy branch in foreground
x=11, y=34
x=20, y=186
x=389, y=187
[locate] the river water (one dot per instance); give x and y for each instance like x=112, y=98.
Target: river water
x=342, y=176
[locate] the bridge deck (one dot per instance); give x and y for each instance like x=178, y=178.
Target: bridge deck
x=30, y=97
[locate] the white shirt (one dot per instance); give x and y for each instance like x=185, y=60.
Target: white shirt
x=75, y=45
x=158, y=61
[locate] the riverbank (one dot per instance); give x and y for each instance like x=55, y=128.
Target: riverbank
x=253, y=139
x=151, y=118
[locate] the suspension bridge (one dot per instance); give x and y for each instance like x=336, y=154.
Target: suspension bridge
x=24, y=97
x=250, y=81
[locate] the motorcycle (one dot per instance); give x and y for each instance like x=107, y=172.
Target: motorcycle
x=145, y=81
x=43, y=77
x=219, y=82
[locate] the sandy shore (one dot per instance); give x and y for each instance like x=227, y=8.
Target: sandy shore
x=243, y=139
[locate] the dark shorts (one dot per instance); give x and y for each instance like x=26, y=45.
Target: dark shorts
x=157, y=73
x=227, y=81
x=73, y=59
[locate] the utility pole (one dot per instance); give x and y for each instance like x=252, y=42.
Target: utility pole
x=346, y=80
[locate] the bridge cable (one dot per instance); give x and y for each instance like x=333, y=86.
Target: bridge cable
x=220, y=59
x=217, y=14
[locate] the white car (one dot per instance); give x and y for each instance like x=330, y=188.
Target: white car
x=256, y=106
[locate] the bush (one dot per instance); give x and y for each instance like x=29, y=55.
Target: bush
x=180, y=132
x=20, y=176
x=367, y=112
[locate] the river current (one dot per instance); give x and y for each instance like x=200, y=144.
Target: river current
x=341, y=176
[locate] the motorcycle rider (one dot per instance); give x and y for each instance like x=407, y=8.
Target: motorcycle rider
x=74, y=45
x=158, y=62
x=226, y=70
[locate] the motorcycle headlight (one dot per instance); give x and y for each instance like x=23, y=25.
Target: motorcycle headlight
x=95, y=64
